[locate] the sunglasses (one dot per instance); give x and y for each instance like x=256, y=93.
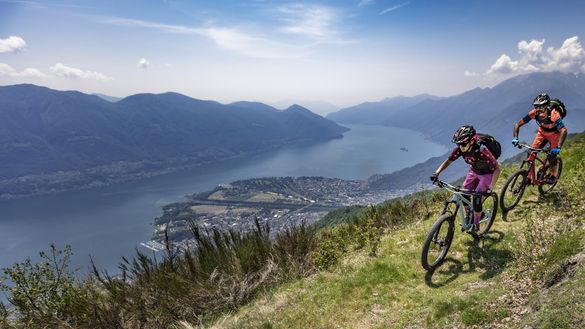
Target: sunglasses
x=464, y=143
x=540, y=106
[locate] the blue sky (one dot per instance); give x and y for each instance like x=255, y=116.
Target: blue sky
x=340, y=52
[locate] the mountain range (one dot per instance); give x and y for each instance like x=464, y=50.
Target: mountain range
x=58, y=140
x=492, y=110
x=45, y=132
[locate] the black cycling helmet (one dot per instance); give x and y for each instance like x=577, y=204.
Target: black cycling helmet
x=541, y=100
x=464, y=135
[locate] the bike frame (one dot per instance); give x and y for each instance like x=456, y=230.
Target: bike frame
x=532, y=178
x=460, y=202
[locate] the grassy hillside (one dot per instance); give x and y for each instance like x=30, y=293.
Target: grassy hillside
x=530, y=271
x=363, y=272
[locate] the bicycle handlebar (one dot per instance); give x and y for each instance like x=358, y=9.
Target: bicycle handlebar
x=533, y=149
x=457, y=189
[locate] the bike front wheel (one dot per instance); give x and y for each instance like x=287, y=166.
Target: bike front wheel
x=488, y=214
x=545, y=188
x=438, y=242
x=513, y=190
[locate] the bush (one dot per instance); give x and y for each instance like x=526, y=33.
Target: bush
x=44, y=294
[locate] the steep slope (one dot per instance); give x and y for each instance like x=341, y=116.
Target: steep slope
x=528, y=272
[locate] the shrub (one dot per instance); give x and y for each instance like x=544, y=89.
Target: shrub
x=44, y=294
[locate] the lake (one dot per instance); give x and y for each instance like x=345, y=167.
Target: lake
x=108, y=223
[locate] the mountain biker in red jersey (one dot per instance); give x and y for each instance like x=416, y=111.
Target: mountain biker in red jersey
x=484, y=169
x=551, y=129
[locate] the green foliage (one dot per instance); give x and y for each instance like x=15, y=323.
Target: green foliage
x=332, y=244
x=565, y=246
x=292, y=251
x=44, y=293
x=340, y=216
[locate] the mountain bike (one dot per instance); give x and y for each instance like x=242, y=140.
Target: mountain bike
x=516, y=184
x=440, y=236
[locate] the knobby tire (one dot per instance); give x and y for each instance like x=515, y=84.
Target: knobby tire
x=440, y=238
x=545, y=188
x=514, y=187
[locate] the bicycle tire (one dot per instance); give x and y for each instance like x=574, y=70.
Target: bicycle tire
x=488, y=216
x=515, y=188
x=433, y=237
x=545, y=188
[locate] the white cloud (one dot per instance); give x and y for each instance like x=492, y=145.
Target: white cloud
x=570, y=57
x=389, y=9
x=363, y=3
x=12, y=44
x=231, y=39
x=29, y=72
x=143, y=63
x=75, y=73
x=311, y=21
x=252, y=46
x=504, y=64
x=470, y=74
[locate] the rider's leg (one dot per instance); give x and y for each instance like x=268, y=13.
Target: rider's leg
x=554, y=139
x=483, y=185
x=470, y=183
x=538, y=142
x=495, y=178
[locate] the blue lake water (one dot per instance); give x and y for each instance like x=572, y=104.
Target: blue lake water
x=109, y=223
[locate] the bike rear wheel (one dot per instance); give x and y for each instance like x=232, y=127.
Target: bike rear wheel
x=545, y=188
x=438, y=242
x=513, y=190
x=488, y=214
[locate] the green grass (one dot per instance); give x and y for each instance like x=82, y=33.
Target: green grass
x=471, y=288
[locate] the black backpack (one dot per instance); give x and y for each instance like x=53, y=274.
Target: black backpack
x=556, y=104
x=491, y=143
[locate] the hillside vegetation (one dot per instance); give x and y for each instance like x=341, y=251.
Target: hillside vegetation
x=528, y=273
x=363, y=272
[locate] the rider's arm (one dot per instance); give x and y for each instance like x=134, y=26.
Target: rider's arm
x=523, y=121
x=443, y=166
x=456, y=153
x=563, y=136
x=519, y=124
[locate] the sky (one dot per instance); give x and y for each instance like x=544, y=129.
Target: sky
x=329, y=54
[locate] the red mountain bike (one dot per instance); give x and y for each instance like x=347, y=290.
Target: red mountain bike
x=528, y=175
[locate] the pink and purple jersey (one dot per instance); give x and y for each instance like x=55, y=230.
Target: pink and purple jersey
x=479, y=157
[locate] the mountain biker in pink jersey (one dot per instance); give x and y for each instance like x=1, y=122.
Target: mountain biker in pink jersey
x=551, y=129
x=484, y=169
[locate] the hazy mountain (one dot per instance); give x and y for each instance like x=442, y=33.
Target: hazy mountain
x=110, y=99
x=496, y=110
x=44, y=131
x=491, y=110
x=319, y=107
x=377, y=112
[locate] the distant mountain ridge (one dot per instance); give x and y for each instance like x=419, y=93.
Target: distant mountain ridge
x=490, y=110
x=377, y=112
x=45, y=132
x=108, y=98
x=494, y=110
